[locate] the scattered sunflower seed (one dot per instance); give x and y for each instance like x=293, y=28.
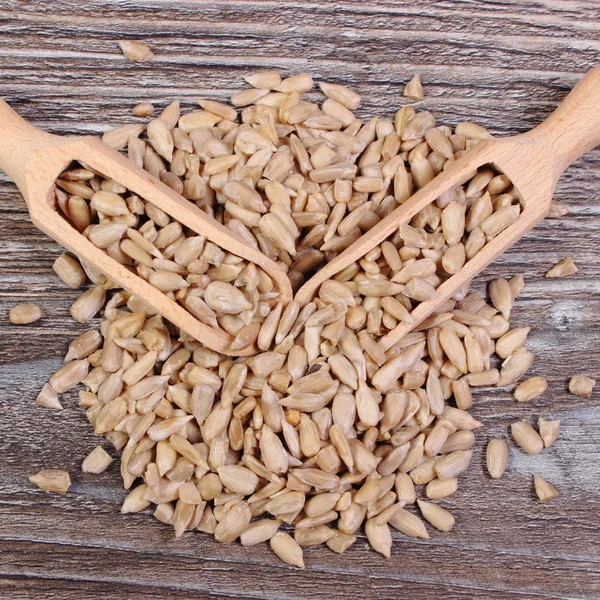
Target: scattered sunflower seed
x=543, y=489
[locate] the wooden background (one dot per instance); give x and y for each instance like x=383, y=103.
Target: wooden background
x=503, y=64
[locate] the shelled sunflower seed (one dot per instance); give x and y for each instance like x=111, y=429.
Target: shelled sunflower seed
x=544, y=489
x=23, y=314
x=323, y=431
x=582, y=386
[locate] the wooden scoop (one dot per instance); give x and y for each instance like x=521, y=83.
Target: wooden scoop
x=533, y=162
x=34, y=159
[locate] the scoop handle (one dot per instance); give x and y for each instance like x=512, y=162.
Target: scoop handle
x=574, y=127
x=18, y=139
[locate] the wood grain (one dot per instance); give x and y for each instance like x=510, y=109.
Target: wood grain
x=502, y=63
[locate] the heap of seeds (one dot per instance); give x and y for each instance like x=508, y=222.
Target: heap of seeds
x=323, y=431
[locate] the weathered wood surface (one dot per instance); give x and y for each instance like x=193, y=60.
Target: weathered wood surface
x=504, y=64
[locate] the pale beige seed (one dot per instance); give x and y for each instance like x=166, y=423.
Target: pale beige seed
x=581, y=386
x=220, y=164
x=340, y=542
x=116, y=138
x=48, y=398
x=543, y=489
x=246, y=97
x=273, y=453
x=224, y=298
x=264, y=80
x=517, y=283
x=515, y=366
x=438, y=436
x=366, y=405
x=496, y=458
x=136, y=51
x=460, y=419
x=238, y=479
x=22, y=314
x=441, y=488
x=52, y=480
x=79, y=212
x=453, y=464
x=530, y=388
x=422, y=172
x=196, y=120
x=171, y=113
x=234, y=523
x=109, y=203
x=501, y=296
x=471, y=130
x=462, y=394
x=309, y=436
x=408, y=524
x=233, y=383
x=563, y=268
x=453, y=222
x=260, y=531
x=296, y=83
x=337, y=111
x=219, y=109
x=453, y=348
x=84, y=345
x=110, y=415
x=69, y=376
x=379, y=537
x=69, y=270
x=341, y=94
x=557, y=210
x=186, y=449
x=273, y=228
x=527, y=437
x=165, y=429
x=140, y=368
x=312, y=536
x=88, y=304
x=439, y=143
x=160, y=137
x=413, y=89
x=287, y=549
x=135, y=501
x=405, y=489
x=316, y=478
x=500, y=220
x=340, y=441
x=143, y=109
x=548, y=431
x=388, y=374
x=461, y=440
x=97, y=461
x=436, y=515
x=164, y=513
x=511, y=341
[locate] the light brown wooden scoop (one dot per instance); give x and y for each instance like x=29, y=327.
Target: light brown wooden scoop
x=532, y=161
x=34, y=159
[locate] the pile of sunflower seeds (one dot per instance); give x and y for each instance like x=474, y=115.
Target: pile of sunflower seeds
x=323, y=430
